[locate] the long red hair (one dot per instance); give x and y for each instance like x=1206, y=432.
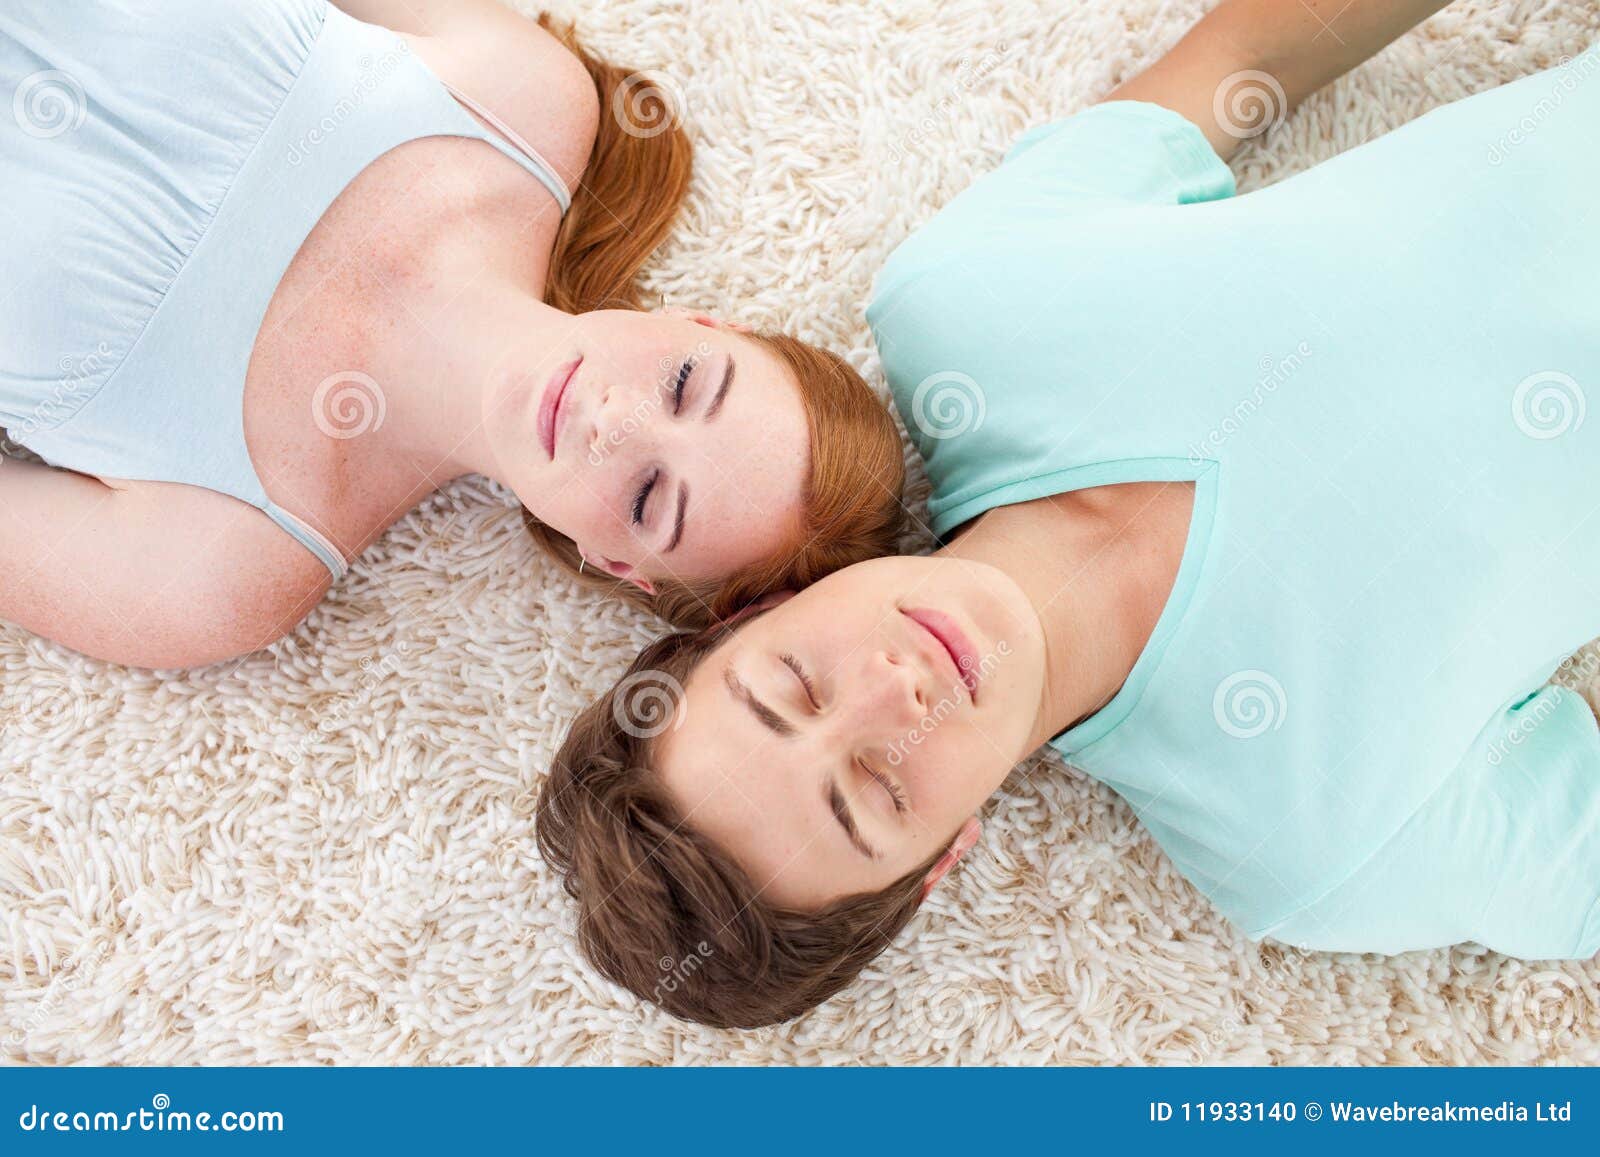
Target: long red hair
x=631, y=191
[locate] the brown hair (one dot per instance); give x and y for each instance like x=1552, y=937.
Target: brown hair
x=663, y=911
x=631, y=192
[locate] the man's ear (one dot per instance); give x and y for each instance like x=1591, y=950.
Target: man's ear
x=966, y=839
x=765, y=603
x=705, y=319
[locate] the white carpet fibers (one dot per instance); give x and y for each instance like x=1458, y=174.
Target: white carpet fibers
x=324, y=853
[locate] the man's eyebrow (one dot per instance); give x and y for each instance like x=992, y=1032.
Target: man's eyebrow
x=677, y=526
x=722, y=390
x=841, y=812
x=769, y=718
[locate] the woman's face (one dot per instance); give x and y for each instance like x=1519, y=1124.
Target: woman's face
x=839, y=740
x=664, y=445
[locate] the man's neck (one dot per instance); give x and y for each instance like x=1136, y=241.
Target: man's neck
x=1098, y=565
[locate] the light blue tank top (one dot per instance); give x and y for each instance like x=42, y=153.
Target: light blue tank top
x=1376, y=373
x=163, y=163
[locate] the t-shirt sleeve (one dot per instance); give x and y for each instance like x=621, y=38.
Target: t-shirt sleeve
x=1114, y=154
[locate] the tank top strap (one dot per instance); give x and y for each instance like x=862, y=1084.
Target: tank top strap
x=310, y=537
x=515, y=146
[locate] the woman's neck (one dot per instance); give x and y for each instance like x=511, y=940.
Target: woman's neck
x=442, y=385
x=1098, y=566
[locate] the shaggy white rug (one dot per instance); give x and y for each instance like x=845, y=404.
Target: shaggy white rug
x=325, y=852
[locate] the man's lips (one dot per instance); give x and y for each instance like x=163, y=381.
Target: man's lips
x=555, y=391
x=954, y=643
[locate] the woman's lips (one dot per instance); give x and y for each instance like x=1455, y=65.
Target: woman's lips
x=555, y=391
x=955, y=644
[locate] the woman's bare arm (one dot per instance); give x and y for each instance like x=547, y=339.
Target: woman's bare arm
x=1300, y=45
x=150, y=574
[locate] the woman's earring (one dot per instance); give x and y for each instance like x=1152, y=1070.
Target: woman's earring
x=582, y=562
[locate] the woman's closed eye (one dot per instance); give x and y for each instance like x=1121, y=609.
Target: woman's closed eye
x=642, y=495
x=682, y=384
x=807, y=684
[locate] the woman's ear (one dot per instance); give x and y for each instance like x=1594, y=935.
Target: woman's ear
x=966, y=839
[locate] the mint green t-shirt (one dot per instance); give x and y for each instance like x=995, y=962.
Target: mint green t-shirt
x=1376, y=374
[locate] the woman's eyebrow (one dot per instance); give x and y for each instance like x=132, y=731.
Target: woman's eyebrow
x=722, y=390
x=841, y=812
